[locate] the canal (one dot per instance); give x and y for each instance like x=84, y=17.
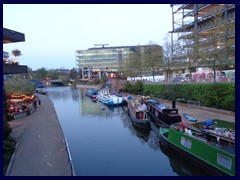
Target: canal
x=103, y=141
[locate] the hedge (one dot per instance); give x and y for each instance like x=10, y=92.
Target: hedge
x=215, y=95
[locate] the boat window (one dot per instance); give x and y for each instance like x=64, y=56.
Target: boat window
x=173, y=112
x=148, y=107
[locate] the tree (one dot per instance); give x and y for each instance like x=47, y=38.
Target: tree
x=153, y=56
x=138, y=62
x=16, y=53
x=185, y=50
x=41, y=73
x=29, y=75
x=17, y=88
x=133, y=67
x=167, y=60
x=128, y=67
x=73, y=74
x=52, y=74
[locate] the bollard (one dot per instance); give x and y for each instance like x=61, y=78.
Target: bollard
x=173, y=104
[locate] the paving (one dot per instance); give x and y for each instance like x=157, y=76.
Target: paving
x=41, y=147
x=203, y=113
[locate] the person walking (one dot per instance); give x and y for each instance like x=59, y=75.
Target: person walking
x=35, y=104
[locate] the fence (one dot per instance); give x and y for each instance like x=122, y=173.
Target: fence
x=193, y=104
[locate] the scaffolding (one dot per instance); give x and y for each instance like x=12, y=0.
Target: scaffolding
x=193, y=23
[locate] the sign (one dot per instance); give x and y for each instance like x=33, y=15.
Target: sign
x=186, y=142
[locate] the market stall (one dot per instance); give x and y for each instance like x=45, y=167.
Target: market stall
x=21, y=105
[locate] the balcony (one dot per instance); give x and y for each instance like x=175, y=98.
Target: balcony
x=10, y=36
x=14, y=69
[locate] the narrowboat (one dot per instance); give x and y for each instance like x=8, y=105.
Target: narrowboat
x=107, y=98
x=161, y=114
x=92, y=93
x=216, y=155
x=138, y=115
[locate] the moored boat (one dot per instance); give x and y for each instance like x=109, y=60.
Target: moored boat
x=216, y=157
x=106, y=97
x=161, y=114
x=92, y=93
x=138, y=114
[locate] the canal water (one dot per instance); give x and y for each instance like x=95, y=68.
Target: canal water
x=104, y=142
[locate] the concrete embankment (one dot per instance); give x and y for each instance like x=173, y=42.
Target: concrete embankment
x=41, y=148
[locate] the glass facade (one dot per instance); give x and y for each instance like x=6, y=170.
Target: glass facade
x=105, y=59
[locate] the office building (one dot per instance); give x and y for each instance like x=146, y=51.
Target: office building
x=101, y=61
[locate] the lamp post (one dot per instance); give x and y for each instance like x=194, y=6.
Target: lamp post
x=88, y=72
x=106, y=71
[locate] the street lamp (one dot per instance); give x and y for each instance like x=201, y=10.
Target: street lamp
x=106, y=70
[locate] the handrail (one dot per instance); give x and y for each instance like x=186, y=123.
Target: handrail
x=69, y=157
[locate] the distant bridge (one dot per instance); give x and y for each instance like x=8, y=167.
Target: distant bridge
x=57, y=82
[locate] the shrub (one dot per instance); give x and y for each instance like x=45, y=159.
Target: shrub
x=19, y=87
x=6, y=129
x=96, y=81
x=217, y=95
x=138, y=87
x=8, y=150
x=128, y=87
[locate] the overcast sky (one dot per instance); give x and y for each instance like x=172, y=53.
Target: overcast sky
x=53, y=32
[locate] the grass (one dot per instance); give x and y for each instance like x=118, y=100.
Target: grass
x=219, y=123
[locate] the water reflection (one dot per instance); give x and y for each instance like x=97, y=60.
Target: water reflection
x=141, y=133
x=58, y=93
x=75, y=94
x=103, y=140
x=180, y=165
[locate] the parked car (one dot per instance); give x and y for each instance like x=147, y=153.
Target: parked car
x=179, y=80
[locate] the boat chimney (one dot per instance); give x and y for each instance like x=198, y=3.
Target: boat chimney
x=173, y=104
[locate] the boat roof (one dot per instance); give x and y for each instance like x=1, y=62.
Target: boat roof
x=157, y=104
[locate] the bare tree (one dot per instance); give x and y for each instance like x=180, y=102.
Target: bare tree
x=167, y=64
x=153, y=56
x=129, y=66
x=134, y=66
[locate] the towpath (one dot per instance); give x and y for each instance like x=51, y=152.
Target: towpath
x=41, y=144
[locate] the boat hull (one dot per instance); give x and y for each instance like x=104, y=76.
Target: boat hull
x=203, y=155
x=112, y=101
x=108, y=98
x=163, y=121
x=162, y=116
x=92, y=93
x=139, y=122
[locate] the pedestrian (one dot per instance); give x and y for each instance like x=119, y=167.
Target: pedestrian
x=35, y=104
x=208, y=138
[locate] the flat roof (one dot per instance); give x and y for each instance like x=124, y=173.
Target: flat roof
x=119, y=47
x=10, y=36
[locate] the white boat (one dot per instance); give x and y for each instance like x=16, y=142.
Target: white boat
x=106, y=97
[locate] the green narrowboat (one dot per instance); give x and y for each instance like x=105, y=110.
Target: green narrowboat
x=216, y=157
